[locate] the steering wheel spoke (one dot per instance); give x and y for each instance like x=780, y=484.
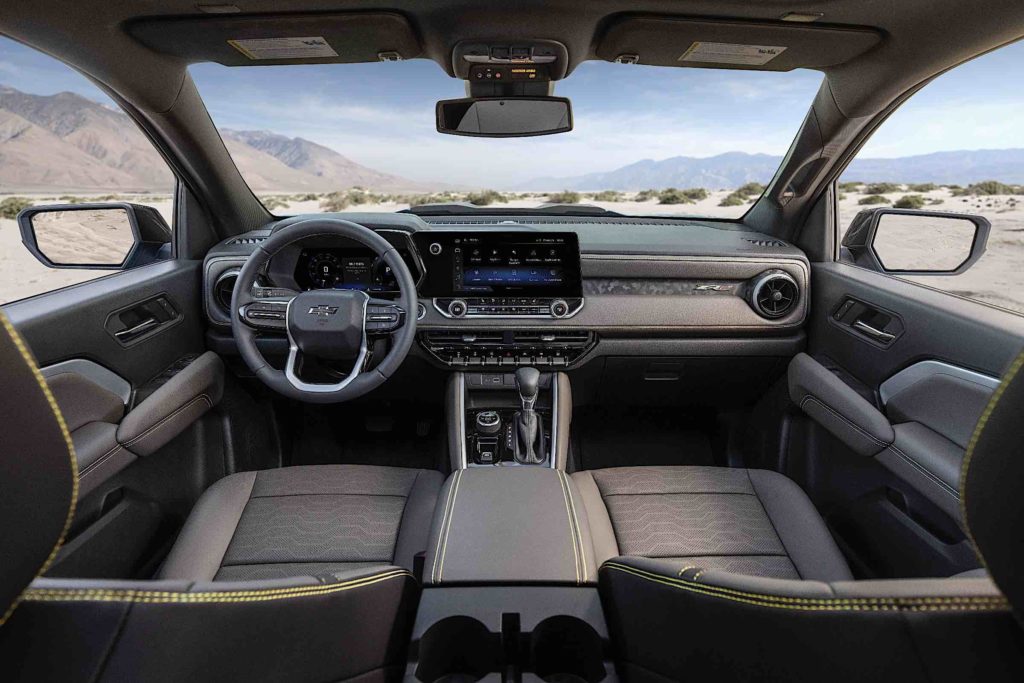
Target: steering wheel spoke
x=383, y=317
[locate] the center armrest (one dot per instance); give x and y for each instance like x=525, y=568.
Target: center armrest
x=510, y=525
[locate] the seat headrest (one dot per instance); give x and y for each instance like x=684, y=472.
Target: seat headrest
x=38, y=471
x=991, y=487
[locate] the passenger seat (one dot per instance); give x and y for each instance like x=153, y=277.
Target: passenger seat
x=753, y=522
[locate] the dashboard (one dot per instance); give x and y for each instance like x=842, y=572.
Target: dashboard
x=499, y=292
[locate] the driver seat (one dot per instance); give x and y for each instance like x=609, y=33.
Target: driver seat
x=305, y=521
x=342, y=610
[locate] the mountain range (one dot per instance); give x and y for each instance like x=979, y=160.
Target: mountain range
x=66, y=142
x=733, y=169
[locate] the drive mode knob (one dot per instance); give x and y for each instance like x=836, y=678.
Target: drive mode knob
x=457, y=308
x=559, y=308
x=488, y=422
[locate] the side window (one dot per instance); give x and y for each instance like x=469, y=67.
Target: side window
x=99, y=195
x=918, y=200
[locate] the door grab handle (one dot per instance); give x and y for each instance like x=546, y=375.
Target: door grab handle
x=136, y=330
x=873, y=332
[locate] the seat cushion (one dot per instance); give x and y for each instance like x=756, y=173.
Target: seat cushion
x=753, y=522
x=308, y=520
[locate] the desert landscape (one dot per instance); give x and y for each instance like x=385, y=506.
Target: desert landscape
x=998, y=279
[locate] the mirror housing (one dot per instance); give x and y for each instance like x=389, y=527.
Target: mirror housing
x=148, y=232
x=504, y=117
x=859, y=240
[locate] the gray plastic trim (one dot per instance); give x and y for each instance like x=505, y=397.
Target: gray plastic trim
x=920, y=371
x=108, y=379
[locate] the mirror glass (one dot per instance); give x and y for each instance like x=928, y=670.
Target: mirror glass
x=922, y=242
x=87, y=237
x=504, y=117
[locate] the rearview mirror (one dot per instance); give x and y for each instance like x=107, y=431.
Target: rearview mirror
x=504, y=117
x=912, y=242
x=115, y=236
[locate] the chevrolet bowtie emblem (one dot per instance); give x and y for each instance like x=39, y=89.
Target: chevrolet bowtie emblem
x=323, y=311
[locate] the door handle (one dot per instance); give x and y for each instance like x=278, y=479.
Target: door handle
x=137, y=330
x=873, y=332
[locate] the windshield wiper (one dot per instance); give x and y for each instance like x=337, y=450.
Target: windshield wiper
x=463, y=208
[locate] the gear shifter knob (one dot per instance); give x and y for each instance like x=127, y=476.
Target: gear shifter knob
x=528, y=384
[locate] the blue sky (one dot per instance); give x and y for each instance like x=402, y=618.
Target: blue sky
x=381, y=115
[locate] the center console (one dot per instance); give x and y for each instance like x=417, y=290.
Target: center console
x=509, y=419
x=510, y=583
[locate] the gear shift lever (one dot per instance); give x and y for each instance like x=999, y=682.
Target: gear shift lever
x=528, y=384
x=527, y=422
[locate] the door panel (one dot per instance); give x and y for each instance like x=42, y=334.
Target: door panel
x=73, y=322
x=938, y=357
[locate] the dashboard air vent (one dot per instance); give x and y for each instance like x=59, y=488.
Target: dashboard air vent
x=774, y=294
x=222, y=290
x=247, y=240
x=765, y=243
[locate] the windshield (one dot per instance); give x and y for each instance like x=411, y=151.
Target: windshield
x=646, y=140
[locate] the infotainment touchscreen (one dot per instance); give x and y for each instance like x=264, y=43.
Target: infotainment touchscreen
x=500, y=264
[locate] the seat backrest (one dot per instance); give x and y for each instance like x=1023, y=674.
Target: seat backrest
x=353, y=625
x=721, y=626
x=991, y=481
x=38, y=477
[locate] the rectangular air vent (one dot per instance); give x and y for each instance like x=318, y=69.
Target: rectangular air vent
x=247, y=240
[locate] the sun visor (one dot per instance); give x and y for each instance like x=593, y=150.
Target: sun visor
x=254, y=40
x=664, y=41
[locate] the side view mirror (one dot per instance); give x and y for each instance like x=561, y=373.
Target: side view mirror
x=114, y=236
x=913, y=242
x=504, y=117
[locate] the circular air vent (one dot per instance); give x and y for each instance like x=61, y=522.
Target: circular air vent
x=222, y=290
x=774, y=294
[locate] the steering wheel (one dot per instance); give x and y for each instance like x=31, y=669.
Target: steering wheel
x=331, y=324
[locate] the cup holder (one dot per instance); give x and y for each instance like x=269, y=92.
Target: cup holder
x=458, y=648
x=461, y=649
x=565, y=649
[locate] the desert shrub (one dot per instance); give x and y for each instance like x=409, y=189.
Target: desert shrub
x=674, y=196
x=841, y=196
x=910, y=201
x=873, y=199
x=72, y=199
x=272, y=203
x=922, y=187
x=988, y=188
x=645, y=195
x=852, y=186
x=882, y=188
x=564, y=197
x=12, y=206
x=335, y=201
x=608, y=196
x=485, y=198
x=750, y=190
x=732, y=199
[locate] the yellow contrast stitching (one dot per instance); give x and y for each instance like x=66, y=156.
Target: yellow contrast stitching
x=163, y=597
x=916, y=604
x=451, y=518
x=978, y=428
x=572, y=529
x=30, y=362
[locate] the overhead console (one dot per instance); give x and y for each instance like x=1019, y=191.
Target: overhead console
x=516, y=274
